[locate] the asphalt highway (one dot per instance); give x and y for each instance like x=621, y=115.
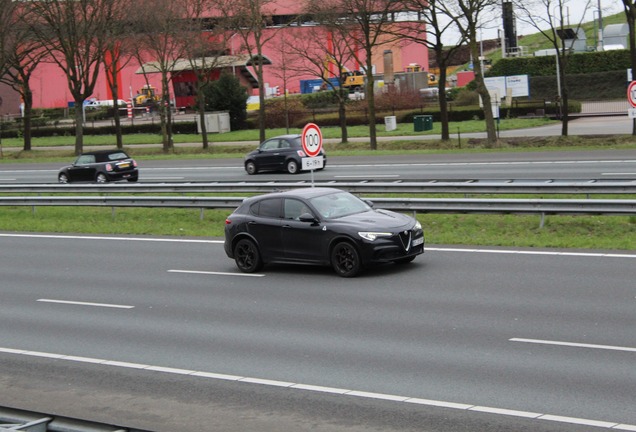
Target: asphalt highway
x=600, y=164
x=164, y=334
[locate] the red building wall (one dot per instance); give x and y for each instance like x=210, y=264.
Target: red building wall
x=50, y=88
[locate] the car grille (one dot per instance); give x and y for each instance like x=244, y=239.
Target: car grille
x=405, y=239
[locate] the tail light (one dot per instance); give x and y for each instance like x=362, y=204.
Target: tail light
x=301, y=153
x=134, y=162
x=228, y=221
x=109, y=167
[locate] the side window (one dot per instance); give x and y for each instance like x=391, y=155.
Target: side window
x=294, y=208
x=270, y=145
x=270, y=208
x=85, y=160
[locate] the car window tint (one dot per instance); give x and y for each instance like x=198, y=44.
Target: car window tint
x=117, y=156
x=269, y=208
x=85, y=159
x=339, y=204
x=284, y=144
x=270, y=145
x=294, y=208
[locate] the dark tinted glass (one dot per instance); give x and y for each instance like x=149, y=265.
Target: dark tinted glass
x=270, y=208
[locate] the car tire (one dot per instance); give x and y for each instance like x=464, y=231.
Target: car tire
x=292, y=167
x=62, y=178
x=345, y=260
x=247, y=257
x=250, y=167
x=133, y=180
x=101, y=178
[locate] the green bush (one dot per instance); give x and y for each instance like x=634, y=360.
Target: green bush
x=321, y=99
x=579, y=63
x=277, y=113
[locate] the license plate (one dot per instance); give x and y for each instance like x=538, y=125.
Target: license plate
x=123, y=165
x=312, y=163
x=418, y=241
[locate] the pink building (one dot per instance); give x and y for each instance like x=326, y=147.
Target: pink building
x=50, y=88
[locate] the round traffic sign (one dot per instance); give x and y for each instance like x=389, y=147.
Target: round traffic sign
x=631, y=94
x=311, y=140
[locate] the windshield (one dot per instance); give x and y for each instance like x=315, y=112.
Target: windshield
x=339, y=204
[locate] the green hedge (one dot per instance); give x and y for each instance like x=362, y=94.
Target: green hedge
x=177, y=128
x=579, y=63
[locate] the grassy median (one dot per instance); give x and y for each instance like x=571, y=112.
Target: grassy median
x=580, y=232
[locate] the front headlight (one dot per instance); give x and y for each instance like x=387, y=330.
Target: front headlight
x=371, y=236
x=418, y=226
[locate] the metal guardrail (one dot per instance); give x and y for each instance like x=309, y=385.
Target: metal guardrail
x=542, y=207
x=421, y=205
x=20, y=420
x=588, y=187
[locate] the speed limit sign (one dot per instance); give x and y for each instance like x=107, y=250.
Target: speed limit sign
x=631, y=94
x=311, y=140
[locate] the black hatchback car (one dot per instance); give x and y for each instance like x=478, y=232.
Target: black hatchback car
x=282, y=153
x=100, y=166
x=323, y=226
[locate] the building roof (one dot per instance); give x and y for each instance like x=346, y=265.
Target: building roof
x=241, y=61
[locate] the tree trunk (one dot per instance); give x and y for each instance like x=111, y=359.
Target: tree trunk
x=79, y=126
x=342, y=115
x=564, y=97
x=204, y=130
x=28, y=114
x=116, y=116
x=368, y=94
x=491, y=132
x=443, y=103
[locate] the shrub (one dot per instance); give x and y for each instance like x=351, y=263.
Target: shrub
x=277, y=114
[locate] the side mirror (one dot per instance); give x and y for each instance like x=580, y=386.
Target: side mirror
x=307, y=217
x=369, y=203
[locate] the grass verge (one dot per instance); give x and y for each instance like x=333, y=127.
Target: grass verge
x=578, y=232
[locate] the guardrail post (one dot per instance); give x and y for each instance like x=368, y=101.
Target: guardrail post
x=542, y=223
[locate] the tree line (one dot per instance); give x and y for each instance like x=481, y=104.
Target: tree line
x=85, y=37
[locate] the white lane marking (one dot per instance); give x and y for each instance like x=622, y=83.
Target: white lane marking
x=163, y=178
x=216, y=273
x=462, y=164
x=619, y=174
x=573, y=344
x=78, y=303
x=369, y=176
x=529, y=252
x=76, y=237
x=330, y=390
x=7, y=179
x=437, y=249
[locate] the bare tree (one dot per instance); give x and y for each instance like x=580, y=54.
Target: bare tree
x=204, y=47
x=430, y=29
x=20, y=55
x=630, y=14
x=287, y=70
x=117, y=56
x=249, y=20
x=73, y=33
x=468, y=16
x=365, y=24
x=158, y=36
x=325, y=54
x=548, y=17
